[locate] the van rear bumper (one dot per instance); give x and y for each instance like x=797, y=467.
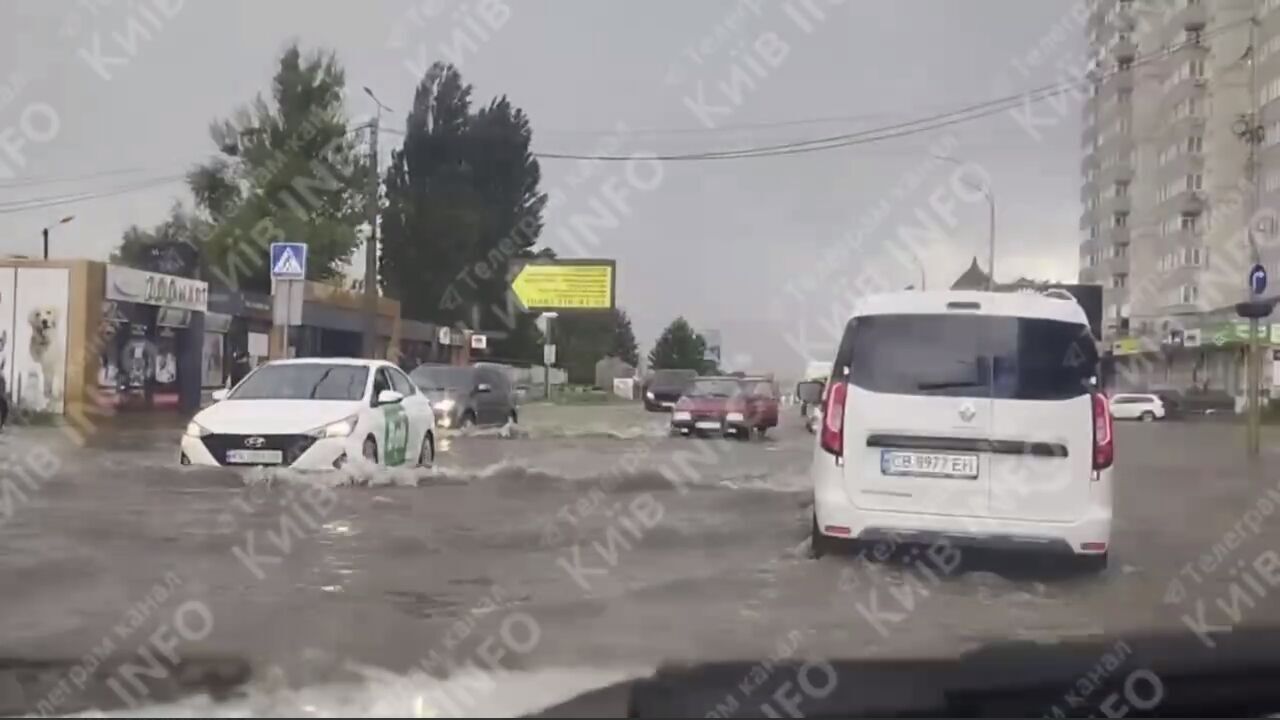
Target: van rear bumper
x=834, y=508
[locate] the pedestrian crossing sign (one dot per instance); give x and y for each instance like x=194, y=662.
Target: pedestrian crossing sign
x=289, y=261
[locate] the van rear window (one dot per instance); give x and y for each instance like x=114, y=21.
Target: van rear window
x=969, y=356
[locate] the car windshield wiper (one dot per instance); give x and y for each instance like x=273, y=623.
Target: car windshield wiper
x=312, y=394
x=947, y=385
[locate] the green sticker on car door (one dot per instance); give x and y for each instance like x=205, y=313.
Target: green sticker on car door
x=396, y=433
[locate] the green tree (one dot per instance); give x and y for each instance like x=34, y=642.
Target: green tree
x=462, y=208
x=624, y=339
x=583, y=339
x=173, y=247
x=679, y=348
x=290, y=168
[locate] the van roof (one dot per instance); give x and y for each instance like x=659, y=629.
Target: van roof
x=1014, y=304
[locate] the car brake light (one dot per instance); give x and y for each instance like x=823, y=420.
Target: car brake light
x=1104, y=449
x=833, y=419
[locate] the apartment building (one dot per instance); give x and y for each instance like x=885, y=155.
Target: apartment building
x=1166, y=193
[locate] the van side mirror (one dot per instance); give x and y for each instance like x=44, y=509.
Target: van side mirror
x=810, y=391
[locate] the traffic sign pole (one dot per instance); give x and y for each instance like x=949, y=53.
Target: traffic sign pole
x=1253, y=366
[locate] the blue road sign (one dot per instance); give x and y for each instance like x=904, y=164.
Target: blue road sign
x=1258, y=279
x=289, y=261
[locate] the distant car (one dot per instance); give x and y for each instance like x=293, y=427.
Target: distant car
x=665, y=388
x=463, y=396
x=314, y=414
x=1146, y=407
x=727, y=405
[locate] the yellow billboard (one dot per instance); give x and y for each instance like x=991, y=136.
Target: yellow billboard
x=566, y=285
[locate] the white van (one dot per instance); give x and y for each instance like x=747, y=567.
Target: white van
x=966, y=417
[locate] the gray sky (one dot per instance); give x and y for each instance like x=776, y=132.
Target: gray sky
x=725, y=243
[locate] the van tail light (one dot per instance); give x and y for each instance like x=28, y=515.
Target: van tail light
x=1104, y=447
x=833, y=419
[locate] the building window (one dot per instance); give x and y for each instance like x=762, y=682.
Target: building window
x=1120, y=220
x=1189, y=222
x=1195, y=181
x=1195, y=144
x=1188, y=294
x=1093, y=231
x=1119, y=281
x=1120, y=250
x=1121, y=189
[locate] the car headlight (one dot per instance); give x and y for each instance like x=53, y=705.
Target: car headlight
x=649, y=394
x=445, y=405
x=342, y=428
x=681, y=415
x=734, y=417
x=195, y=429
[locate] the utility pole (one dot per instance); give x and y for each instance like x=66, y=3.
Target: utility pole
x=1253, y=369
x=44, y=233
x=371, y=244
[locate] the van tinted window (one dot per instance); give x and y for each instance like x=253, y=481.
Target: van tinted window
x=969, y=356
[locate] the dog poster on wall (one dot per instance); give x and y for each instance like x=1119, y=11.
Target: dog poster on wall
x=40, y=339
x=8, y=286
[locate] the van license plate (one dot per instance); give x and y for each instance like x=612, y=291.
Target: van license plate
x=255, y=457
x=707, y=425
x=897, y=462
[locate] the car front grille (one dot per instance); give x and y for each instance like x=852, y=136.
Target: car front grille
x=291, y=446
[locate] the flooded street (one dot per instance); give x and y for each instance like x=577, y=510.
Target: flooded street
x=586, y=541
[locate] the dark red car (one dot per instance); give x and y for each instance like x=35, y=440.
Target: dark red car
x=727, y=405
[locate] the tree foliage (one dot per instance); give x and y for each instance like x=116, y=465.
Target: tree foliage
x=584, y=339
x=289, y=169
x=462, y=206
x=172, y=247
x=679, y=348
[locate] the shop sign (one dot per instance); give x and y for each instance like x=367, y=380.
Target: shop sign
x=479, y=342
x=1127, y=346
x=140, y=286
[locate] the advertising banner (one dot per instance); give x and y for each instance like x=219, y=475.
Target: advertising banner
x=8, y=286
x=40, y=338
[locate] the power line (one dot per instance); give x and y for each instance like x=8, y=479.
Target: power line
x=53, y=201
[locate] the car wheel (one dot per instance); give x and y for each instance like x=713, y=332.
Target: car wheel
x=370, y=450
x=427, y=455
x=513, y=418
x=1148, y=416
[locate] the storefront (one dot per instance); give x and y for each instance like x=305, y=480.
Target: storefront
x=237, y=322
x=152, y=340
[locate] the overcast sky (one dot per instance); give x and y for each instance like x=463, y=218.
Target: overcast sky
x=726, y=243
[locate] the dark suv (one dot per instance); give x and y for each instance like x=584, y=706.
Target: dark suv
x=666, y=387
x=463, y=396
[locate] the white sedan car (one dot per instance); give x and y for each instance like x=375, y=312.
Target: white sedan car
x=315, y=414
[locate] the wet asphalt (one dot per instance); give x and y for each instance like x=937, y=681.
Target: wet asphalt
x=587, y=538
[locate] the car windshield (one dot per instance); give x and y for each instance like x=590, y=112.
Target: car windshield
x=444, y=378
x=672, y=378
x=304, y=381
x=714, y=388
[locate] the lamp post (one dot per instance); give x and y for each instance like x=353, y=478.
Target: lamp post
x=371, y=245
x=991, y=234
x=45, y=233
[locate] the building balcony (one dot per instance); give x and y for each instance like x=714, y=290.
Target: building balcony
x=1190, y=202
x=1088, y=189
x=1116, y=205
x=1090, y=161
x=1089, y=217
x=1119, y=80
x=1118, y=265
x=1124, y=49
x=1118, y=235
x=1193, y=17
x=1119, y=172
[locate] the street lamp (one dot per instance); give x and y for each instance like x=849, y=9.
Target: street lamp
x=45, y=233
x=991, y=202
x=924, y=285
x=371, y=245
